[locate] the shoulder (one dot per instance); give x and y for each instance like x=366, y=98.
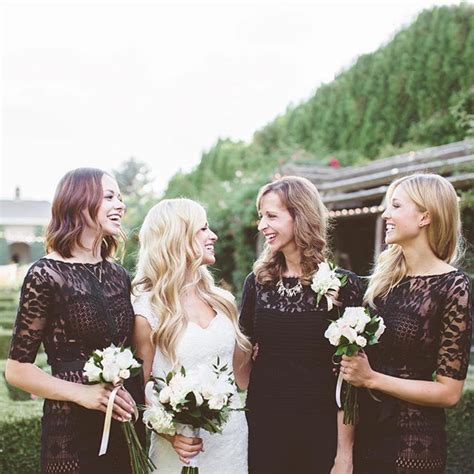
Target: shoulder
x=457, y=282
x=250, y=280
x=352, y=278
x=142, y=307
x=117, y=268
x=224, y=293
x=42, y=269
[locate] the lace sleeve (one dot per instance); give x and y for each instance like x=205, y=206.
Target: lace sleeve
x=247, y=310
x=32, y=315
x=352, y=292
x=142, y=307
x=455, y=332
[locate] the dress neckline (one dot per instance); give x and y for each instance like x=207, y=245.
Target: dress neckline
x=432, y=275
x=73, y=263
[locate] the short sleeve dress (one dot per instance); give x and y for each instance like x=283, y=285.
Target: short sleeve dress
x=428, y=332
x=65, y=307
x=292, y=413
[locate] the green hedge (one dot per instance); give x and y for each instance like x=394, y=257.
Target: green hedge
x=5, y=338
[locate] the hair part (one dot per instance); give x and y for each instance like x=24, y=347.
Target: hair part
x=79, y=192
x=169, y=263
x=435, y=195
x=310, y=217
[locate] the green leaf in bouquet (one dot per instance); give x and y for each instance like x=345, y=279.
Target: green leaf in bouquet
x=341, y=350
x=352, y=349
x=318, y=298
x=343, y=280
x=183, y=371
x=169, y=376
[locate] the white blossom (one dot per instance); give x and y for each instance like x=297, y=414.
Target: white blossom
x=361, y=341
x=380, y=330
x=333, y=333
x=92, y=372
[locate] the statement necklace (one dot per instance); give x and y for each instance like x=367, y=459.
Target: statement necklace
x=282, y=290
x=93, y=273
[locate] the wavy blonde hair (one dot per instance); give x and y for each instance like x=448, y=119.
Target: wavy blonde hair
x=310, y=216
x=169, y=263
x=433, y=194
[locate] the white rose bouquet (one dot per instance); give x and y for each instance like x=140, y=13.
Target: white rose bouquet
x=184, y=402
x=114, y=365
x=353, y=331
x=326, y=282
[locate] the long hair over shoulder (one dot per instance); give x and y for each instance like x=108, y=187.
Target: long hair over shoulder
x=169, y=263
x=433, y=194
x=79, y=193
x=310, y=218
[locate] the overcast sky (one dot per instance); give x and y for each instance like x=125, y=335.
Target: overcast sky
x=91, y=83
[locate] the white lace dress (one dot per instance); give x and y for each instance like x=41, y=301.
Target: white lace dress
x=224, y=453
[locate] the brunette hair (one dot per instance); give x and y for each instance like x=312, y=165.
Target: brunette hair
x=302, y=199
x=79, y=190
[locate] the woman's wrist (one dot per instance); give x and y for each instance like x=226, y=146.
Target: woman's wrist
x=373, y=381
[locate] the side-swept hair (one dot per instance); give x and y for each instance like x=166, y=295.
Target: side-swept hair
x=302, y=199
x=169, y=263
x=433, y=194
x=79, y=190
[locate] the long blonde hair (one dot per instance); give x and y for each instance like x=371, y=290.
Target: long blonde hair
x=310, y=217
x=433, y=194
x=169, y=263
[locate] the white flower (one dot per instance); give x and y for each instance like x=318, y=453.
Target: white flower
x=356, y=317
x=218, y=401
x=156, y=418
x=325, y=279
x=346, y=330
x=361, y=341
x=125, y=359
x=124, y=374
x=109, y=353
x=165, y=394
x=92, y=372
x=111, y=370
x=333, y=333
x=380, y=329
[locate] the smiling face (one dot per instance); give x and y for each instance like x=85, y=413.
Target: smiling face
x=404, y=221
x=112, y=207
x=206, y=239
x=276, y=223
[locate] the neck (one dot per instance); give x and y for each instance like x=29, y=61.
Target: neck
x=292, y=262
x=86, y=252
x=420, y=260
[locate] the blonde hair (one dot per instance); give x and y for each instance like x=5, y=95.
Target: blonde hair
x=169, y=263
x=310, y=217
x=433, y=194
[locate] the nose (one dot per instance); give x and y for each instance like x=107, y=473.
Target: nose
x=213, y=235
x=385, y=214
x=120, y=204
x=262, y=224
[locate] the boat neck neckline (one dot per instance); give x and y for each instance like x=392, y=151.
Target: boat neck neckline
x=73, y=263
x=433, y=274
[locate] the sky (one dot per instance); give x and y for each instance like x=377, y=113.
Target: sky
x=90, y=83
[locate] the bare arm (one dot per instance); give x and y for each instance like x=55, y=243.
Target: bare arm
x=242, y=367
x=444, y=392
x=143, y=345
x=32, y=379
x=345, y=441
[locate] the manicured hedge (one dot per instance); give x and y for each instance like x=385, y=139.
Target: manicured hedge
x=5, y=338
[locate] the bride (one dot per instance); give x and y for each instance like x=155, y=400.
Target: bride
x=185, y=320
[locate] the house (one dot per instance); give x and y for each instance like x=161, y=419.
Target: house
x=355, y=195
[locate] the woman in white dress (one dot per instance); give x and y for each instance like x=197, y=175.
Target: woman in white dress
x=185, y=320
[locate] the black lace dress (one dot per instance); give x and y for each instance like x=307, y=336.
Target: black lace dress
x=291, y=397
x=65, y=307
x=428, y=321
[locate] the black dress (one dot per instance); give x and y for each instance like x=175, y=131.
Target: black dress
x=428, y=321
x=292, y=413
x=64, y=306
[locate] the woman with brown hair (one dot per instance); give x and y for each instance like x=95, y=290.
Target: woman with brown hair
x=74, y=301
x=292, y=413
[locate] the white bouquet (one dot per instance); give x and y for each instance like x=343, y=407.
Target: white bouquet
x=114, y=365
x=326, y=282
x=184, y=402
x=353, y=331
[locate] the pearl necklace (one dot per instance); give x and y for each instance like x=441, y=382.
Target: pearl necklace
x=282, y=290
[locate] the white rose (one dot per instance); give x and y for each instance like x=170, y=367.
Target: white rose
x=124, y=374
x=361, y=341
x=380, y=329
x=165, y=394
x=125, y=359
x=111, y=371
x=92, y=372
x=156, y=418
x=333, y=333
x=325, y=279
x=356, y=317
x=217, y=402
x=349, y=333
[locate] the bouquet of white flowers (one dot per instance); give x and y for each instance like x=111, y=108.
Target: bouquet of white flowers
x=114, y=365
x=353, y=331
x=326, y=282
x=184, y=402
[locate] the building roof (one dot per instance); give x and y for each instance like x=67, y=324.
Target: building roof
x=24, y=212
x=356, y=186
